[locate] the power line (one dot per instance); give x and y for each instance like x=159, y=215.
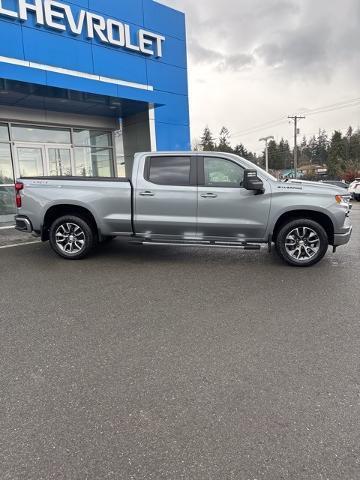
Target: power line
x=260, y=127
x=334, y=106
x=279, y=121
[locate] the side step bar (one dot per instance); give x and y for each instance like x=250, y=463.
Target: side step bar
x=243, y=246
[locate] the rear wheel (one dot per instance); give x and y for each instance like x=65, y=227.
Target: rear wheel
x=302, y=242
x=72, y=237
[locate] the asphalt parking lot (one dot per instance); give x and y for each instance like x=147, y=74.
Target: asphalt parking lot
x=167, y=363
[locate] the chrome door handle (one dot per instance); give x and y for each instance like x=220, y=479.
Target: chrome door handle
x=208, y=195
x=147, y=194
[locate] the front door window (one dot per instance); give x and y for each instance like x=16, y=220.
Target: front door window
x=220, y=172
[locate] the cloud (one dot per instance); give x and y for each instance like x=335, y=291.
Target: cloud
x=252, y=61
x=298, y=36
x=222, y=62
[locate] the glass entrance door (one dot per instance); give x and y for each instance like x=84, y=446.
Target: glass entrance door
x=43, y=160
x=30, y=161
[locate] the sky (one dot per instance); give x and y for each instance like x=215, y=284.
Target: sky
x=254, y=62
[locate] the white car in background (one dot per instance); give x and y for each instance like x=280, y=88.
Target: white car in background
x=354, y=189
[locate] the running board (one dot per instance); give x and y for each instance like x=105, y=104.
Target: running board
x=242, y=246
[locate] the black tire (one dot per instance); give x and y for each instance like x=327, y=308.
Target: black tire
x=69, y=228
x=288, y=241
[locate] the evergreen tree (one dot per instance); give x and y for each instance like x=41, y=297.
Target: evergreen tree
x=274, y=158
x=224, y=141
x=337, y=155
x=322, y=148
x=284, y=154
x=341, y=155
x=207, y=142
x=241, y=151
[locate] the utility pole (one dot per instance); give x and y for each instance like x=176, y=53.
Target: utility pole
x=296, y=118
x=266, y=140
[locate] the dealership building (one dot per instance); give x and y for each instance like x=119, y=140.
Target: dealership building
x=84, y=84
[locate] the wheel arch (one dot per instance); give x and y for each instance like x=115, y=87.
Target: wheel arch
x=59, y=210
x=320, y=217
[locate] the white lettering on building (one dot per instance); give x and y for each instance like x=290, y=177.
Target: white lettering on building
x=59, y=16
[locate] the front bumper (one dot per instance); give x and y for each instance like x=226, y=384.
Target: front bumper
x=342, y=238
x=23, y=224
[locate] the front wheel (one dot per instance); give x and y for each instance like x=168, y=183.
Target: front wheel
x=71, y=237
x=302, y=242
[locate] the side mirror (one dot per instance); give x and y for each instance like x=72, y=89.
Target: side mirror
x=252, y=181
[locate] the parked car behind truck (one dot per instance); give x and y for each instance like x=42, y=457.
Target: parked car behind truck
x=354, y=189
x=186, y=198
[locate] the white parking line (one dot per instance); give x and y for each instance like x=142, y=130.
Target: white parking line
x=7, y=228
x=19, y=244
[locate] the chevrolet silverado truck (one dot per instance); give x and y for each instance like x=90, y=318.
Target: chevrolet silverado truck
x=186, y=199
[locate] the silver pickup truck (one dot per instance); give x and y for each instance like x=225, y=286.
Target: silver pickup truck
x=186, y=198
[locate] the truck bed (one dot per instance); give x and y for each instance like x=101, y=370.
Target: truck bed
x=109, y=200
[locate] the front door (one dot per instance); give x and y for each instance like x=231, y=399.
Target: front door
x=225, y=208
x=166, y=197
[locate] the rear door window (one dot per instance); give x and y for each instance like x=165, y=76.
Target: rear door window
x=169, y=170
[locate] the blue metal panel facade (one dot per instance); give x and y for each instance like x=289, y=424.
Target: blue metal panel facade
x=28, y=41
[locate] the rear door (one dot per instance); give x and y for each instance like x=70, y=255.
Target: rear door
x=166, y=196
x=225, y=208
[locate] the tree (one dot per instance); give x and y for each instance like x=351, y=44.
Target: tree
x=284, y=154
x=274, y=158
x=241, y=151
x=322, y=147
x=196, y=144
x=224, y=141
x=207, y=142
x=337, y=155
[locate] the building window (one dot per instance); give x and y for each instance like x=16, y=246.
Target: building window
x=7, y=193
x=93, y=162
x=4, y=133
x=62, y=151
x=91, y=138
x=169, y=170
x=59, y=162
x=93, y=151
x=6, y=169
x=30, y=133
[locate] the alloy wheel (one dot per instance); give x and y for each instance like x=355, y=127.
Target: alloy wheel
x=70, y=238
x=302, y=244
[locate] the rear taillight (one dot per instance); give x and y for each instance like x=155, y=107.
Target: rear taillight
x=18, y=187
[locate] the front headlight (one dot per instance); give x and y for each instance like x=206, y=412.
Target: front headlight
x=342, y=199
